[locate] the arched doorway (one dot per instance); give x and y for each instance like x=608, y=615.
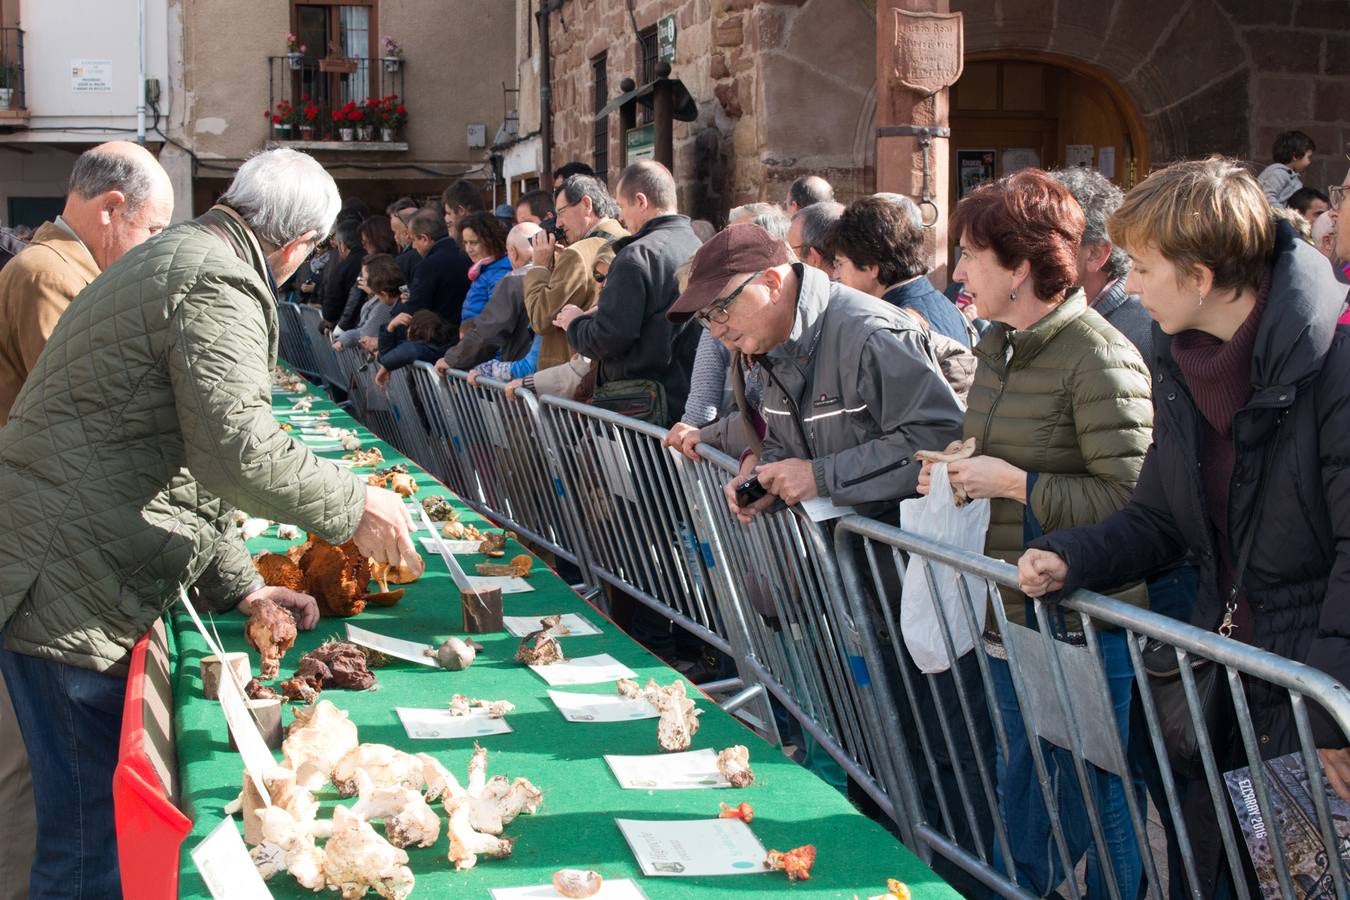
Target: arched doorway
x=1014, y=109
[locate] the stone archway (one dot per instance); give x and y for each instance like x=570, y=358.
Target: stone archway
x=1183, y=64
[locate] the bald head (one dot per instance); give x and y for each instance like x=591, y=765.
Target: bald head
x=807, y=190
x=518, y=240
x=119, y=196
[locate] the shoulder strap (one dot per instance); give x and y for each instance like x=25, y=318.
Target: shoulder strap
x=1244, y=552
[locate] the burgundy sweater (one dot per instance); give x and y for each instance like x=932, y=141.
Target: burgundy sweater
x=1218, y=375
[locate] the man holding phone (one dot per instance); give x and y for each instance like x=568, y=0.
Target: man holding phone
x=852, y=386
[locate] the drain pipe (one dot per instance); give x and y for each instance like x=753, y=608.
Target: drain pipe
x=140, y=81
x=545, y=96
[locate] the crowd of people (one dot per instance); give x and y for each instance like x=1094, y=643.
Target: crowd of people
x=1153, y=381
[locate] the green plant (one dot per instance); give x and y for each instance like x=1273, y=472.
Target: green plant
x=9, y=75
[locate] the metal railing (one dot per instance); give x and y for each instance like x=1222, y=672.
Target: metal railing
x=13, y=93
x=1018, y=771
x=317, y=88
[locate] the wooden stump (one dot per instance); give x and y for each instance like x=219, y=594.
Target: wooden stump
x=211, y=673
x=482, y=610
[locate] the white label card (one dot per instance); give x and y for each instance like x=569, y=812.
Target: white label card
x=519, y=626
x=668, y=771
x=225, y=866
x=322, y=448
x=430, y=545
x=618, y=889
x=508, y=584
x=600, y=707
x=586, y=670
x=430, y=724
x=821, y=509
x=694, y=847
x=411, y=651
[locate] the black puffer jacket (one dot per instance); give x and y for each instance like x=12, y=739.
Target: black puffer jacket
x=1298, y=575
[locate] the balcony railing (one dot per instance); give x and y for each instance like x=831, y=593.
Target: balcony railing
x=13, y=98
x=317, y=89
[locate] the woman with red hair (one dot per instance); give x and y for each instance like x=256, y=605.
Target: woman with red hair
x=1062, y=415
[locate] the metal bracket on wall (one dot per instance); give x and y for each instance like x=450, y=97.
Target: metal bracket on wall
x=925, y=134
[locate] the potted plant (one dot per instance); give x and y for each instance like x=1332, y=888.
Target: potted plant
x=393, y=54
x=284, y=118
x=309, y=115
x=9, y=80
x=346, y=117
x=393, y=116
x=295, y=51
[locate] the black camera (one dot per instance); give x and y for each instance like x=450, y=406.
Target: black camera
x=551, y=226
x=749, y=491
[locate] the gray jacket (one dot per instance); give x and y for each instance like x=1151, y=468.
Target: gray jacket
x=1127, y=315
x=856, y=389
x=501, y=330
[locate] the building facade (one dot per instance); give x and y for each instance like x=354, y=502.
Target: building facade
x=217, y=72
x=785, y=87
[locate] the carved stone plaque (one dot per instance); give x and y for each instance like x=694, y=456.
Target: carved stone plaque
x=929, y=52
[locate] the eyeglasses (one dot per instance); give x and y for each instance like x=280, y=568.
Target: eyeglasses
x=559, y=211
x=1336, y=193
x=716, y=312
x=599, y=277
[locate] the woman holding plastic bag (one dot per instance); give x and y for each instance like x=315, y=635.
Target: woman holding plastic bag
x=1062, y=417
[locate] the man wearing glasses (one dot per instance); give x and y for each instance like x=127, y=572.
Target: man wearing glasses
x=852, y=386
x=1340, y=257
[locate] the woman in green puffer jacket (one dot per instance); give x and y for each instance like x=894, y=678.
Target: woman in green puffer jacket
x=1062, y=416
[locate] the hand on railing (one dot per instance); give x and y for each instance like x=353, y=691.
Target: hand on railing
x=369, y=344
x=1040, y=572
x=513, y=386
x=383, y=533
x=683, y=438
x=442, y=368
x=1337, y=766
x=745, y=513
x=337, y=346
x=382, y=378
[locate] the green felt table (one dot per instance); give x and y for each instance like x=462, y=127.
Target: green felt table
x=575, y=827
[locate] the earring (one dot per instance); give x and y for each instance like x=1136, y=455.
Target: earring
x=1012, y=296
x=1202, y=301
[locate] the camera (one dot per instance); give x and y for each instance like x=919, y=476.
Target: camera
x=749, y=491
x=551, y=226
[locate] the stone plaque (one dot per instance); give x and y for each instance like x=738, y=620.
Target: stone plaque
x=929, y=52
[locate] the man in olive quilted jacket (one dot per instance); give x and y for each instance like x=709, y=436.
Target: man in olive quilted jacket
x=144, y=425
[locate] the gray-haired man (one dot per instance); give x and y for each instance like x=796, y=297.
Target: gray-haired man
x=144, y=425
x=809, y=234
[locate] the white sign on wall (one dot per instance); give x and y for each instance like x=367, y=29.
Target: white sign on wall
x=91, y=76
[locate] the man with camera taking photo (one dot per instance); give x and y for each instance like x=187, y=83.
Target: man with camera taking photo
x=587, y=216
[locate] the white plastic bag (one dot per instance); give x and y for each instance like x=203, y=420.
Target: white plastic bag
x=938, y=518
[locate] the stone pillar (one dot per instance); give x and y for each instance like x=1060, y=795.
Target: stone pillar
x=919, y=55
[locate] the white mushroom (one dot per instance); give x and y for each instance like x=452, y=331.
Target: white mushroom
x=288, y=532
x=386, y=767
x=734, y=764
x=407, y=817
x=357, y=859
x=320, y=736
x=496, y=709
x=577, y=882
x=455, y=654
x=459, y=705
x=679, y=716
x=467, y=844
x=288, y=845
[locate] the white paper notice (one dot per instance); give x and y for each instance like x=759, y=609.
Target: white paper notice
x=1106, y=161
x=600, y=707
x=322, y=448
x=405, y=650
x=697, y=847
x=225, y=866
x=668, y=771
x=430, y=545
x=426, y=724
x=1078, y=155
x=507, y=584
x=585, y=670
x=821, y=509
x=619, y=889
x=519, y=626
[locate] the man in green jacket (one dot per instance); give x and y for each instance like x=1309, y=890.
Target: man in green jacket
x=144, y=425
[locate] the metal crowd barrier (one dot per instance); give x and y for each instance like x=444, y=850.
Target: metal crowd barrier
x=1062, y=691
x=811, y=620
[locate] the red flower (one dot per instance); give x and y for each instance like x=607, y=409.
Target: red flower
x=402, y=110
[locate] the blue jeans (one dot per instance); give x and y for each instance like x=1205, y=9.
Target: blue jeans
x=71, y=721
x=1022, y=805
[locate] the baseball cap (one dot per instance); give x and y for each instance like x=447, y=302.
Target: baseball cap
x=735, y=250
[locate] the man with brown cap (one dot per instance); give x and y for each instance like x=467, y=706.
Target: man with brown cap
x=852, y=387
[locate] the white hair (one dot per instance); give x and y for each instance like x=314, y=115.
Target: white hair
x=520, y=236
x=907, y=206
x=282, y=194
x=1323, y=226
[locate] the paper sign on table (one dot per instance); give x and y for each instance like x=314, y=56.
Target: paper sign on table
x=224, y=864
x=426, y=724
x=507, y=583
x=600, y=707
x=429, y=544
x=585, y=670
x=323, y=448
x=694, y=847
x=519, y=626
x=668, y=771
x=396, y=647
x=619, y=889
